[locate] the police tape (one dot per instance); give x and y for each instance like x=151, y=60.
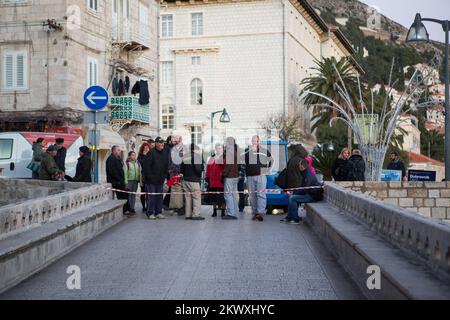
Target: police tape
x=267, y=191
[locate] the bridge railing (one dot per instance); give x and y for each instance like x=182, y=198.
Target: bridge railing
x=425, y=238
x=28, y=213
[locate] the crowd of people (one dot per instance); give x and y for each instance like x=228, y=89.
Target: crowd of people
x=50, y=163
x=169, y=167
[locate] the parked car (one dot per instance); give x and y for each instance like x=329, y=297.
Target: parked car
x=16, y=152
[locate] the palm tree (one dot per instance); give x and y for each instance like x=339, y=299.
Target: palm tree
x=329, y=76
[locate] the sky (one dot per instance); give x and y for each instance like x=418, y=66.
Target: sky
x=404, y=11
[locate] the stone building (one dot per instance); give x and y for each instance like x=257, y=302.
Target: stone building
x=246, y=56
x=52, y=51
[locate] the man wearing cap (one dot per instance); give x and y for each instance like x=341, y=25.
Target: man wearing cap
x=49, y=168
x=155, y=168
x=84, y=165
x=60, y=157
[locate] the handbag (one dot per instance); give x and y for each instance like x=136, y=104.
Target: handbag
x=34, y=166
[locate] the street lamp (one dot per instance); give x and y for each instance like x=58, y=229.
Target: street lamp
x=416, y=33
x=224, y=118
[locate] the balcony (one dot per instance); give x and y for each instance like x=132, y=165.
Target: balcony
x=126, y=109
x=131, y=36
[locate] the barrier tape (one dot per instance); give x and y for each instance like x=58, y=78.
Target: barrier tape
x=267, y=191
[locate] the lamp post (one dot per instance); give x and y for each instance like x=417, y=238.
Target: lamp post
x=224, y=118
x=416, y=33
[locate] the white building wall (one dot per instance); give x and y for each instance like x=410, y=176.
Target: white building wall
x=245, y=75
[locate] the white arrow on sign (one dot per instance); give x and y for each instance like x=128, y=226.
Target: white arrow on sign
x=91, y=97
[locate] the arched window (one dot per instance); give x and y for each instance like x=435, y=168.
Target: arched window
x=196, y=92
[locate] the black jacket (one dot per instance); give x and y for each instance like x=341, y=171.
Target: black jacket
x=114, y=172
x=192, y=168
x=83, y=173
x=294, y=175
x=144, y=95
x=397, y=165
x=310, y=180
x=254, y=161
x=356, y=168
x=340, y=170
x=60, y=159
x=156, y=166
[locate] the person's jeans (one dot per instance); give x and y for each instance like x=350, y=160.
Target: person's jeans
x=294, y=202
x=132, y=186
x=241, y=188
x=193, y=199
x=155, y=202
x=230, y=189
x=258, y=200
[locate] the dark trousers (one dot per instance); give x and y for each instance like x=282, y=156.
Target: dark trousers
x=241, y=186
x=155, y=202
x=143, y=199
x=123, y=196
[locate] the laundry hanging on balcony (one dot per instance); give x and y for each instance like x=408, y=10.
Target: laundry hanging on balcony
x=144, y=95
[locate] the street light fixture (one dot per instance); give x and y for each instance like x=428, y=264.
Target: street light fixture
x=417, y=33
x=224, y=118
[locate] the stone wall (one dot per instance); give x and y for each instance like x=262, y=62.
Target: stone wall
x=29, y=213
x=13, y=191
x=430, y=199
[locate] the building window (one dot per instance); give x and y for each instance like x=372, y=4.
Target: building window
x=167, y=26
x=196, y=135
x=6, y=148
x=15, y=70
x=92, y=72
x=196, y=92
x=196, y=61
x=93, y=5
x=166, y=73
x=168, y=116
x=197, y=24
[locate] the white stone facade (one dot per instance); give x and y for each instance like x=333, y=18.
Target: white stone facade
x=253, y=55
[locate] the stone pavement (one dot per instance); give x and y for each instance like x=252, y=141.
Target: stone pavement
x=213, y=259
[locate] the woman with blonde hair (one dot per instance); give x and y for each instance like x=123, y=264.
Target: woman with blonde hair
x=340, y=166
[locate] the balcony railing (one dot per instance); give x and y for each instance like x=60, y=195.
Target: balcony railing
x=131, y=36
x=127, y=108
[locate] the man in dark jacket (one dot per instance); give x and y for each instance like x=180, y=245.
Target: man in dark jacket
x=304, y=195
x=84, y=165
x=397, y=164
x=155, y=169
x=116, y=176
x=294, y=175
x=356, y=167
x=192, y=169
x=60, y=157
x=257, y=158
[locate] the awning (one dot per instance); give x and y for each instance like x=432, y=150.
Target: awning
x=109, y=138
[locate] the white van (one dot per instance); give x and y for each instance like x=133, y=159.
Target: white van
x=16, y=152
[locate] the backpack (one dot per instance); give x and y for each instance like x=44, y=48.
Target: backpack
x=281, y=180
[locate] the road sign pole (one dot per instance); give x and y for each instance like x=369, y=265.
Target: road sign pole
x=95, y=149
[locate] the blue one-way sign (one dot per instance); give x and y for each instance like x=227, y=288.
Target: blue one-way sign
x=96, y=98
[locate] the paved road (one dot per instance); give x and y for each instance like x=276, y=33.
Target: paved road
x=179, y=259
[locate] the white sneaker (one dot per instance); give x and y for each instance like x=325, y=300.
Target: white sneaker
x=160, y=216
x=152, y=217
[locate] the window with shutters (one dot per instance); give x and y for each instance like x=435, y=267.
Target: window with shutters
x=15, y=70
x=92, y=72
x=93, y=5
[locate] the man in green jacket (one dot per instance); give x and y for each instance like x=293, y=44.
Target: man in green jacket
x=48, y=165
